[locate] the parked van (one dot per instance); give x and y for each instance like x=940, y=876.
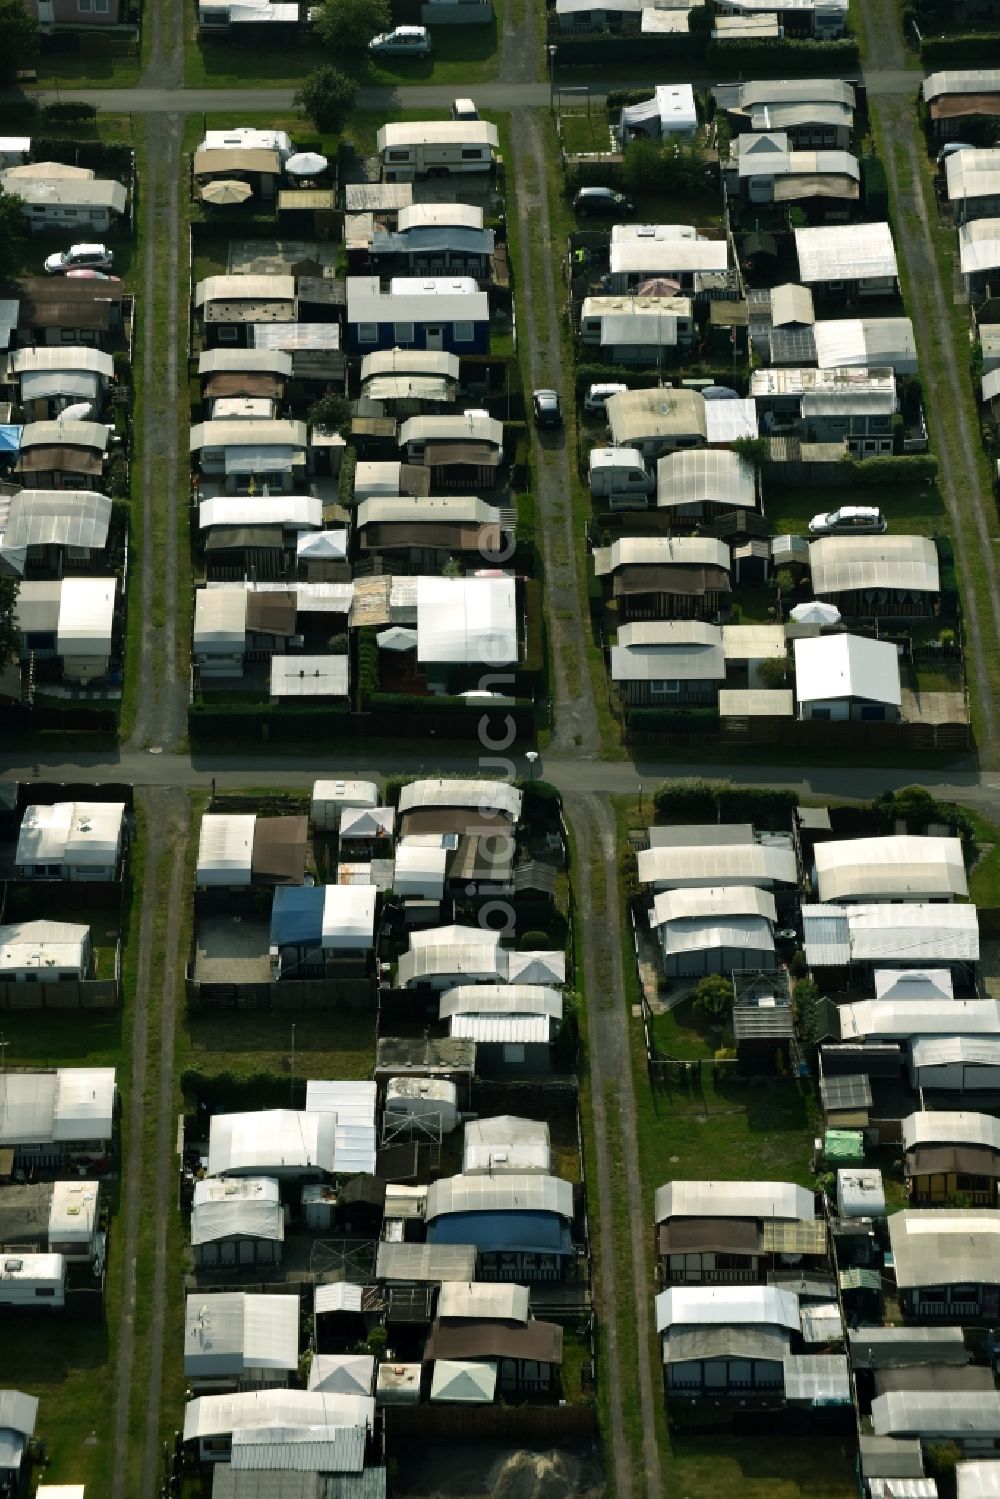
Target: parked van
x=619, y=476
x=464, y=109
x=597, y=395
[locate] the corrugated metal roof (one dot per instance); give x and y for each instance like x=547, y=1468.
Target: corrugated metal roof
x=271, y=1140
x=818, y=1378
x=728, y=1306
x=845, y=252
x=337, y=1296
x=741, y=863
x=483, y=1301
x=943, y=1051
x=899, y=1019
x=901, y=865
x=907, y=563
x=437, y=133
x=947, y=1127
x=512, y=1192
x=704, y=902
x=435, y=1263
x=961, y=81
x=763, y=1200
x=936, y=1412
x=978, y=1479
x=973, y=173
x=322, y=1447
x=945, y=1247
x=490, y=1030
x=501, y=999
x=709, y=934
x=681, y=1344
x=699, y=476
x=227, y=1207
x=218, y=1415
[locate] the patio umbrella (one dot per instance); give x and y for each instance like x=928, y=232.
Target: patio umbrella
x=658, y=286
x=226, y=190
x=78, y=412
x=816, y=613
x=306, y=164
x=396, y=638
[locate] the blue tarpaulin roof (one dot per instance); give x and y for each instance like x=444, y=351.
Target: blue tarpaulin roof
x=529, y=1233
x=10, y=439
x=297, y=915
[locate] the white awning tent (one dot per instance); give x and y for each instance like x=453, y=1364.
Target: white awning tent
x=225, y=849
x=419, y=869
x=464, y=1381
x=241, y=1207
x=349, y=917
x=86, y=616
x=900, y=867
x=833, y=667
x=467, y=621
x=272, y=1142
x=231, y=1332
x=220, y=620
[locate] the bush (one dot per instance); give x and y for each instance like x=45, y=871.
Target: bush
x=775, y=672
x=349, y=25
x=713, y=996
x=69, y=113
x=331, y=413
x=685, y=801
x=973, y=46
x=327, y=97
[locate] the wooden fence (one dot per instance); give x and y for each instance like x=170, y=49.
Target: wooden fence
x=549, y=1424
x=86, y=994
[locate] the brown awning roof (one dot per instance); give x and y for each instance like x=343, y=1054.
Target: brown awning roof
x=414, y=479
x=69, y=289
x=92, y=317
x=446, y=536
x=954, y=106
x=279, y=849
x=968, y=1160
x=44, y=460
x=476, y=454
x=935, y=1377
x=272, y=612
x=689, y=581
x=227, y=538
x=246, y=383
x=226, y=161
x=464, y=820
x=705, y=1235
x=541, y=1341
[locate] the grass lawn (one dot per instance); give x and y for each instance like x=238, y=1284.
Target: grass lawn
x=984, y=879
x=68, y=1038
x=769, y=1467
x=339, y=1044
x=462, y=55
x=684, y=1033
x=28, y=903
x=909, y=508
x=88, y=70
x=586, y=132
x=68, y=1366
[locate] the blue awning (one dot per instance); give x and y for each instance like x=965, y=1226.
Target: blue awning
x=523, y=1232
x=10, y=439
x=297, y=915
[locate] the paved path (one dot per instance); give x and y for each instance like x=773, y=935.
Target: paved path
x=495, y=96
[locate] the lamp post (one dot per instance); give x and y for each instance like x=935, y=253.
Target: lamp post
x=552, y=76
x=531, y=756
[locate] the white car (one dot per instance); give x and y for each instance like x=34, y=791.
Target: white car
x=596, y=398
x=849, y=520
x=80, y=258
x=402, y=41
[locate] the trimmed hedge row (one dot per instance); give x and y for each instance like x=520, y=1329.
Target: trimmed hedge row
x=763, y=58
x=713, y=801
x=904, y=468
x=969, y=46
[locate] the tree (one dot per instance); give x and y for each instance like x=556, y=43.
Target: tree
x=18, y=37
x=713, y=996
x=773, y=672
x=331, y=413
x=349, y=25
x=642, y=167
x=326, y=97
x=10, y=635
x=13, y=234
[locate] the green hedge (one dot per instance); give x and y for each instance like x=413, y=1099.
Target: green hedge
x=907, y=468
x=226, y=1090
x=716, y=801
x=874, y=187
x=674, y=720
x=969, y=46
x=264, y=722
x=763, y=58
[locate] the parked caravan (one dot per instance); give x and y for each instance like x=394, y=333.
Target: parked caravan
x=436, y=148
x=619, y=475
x=29, y=1280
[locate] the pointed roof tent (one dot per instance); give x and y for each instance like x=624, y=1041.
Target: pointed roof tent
x=464, y=1381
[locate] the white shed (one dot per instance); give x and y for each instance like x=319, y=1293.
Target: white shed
x=225, y=849
x=330, y=797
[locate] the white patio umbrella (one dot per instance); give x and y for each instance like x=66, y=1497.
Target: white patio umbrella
x=306, y=164
x=78, y=412
x=396, y=638
x=226, y=190
x=816, y=613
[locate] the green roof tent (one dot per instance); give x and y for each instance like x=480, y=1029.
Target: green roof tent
x=844, y=1147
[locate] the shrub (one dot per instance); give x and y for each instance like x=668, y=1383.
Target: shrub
x=713, y=996
x=349, y=25
x=327, y=97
